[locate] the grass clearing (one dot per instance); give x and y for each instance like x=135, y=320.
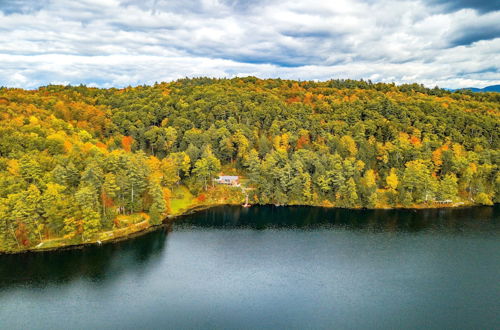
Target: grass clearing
x=181, y=199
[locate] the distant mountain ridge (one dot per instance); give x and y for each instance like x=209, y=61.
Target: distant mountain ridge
x=492, y=88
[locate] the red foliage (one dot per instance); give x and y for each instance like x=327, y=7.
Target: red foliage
x=22, y=234
x=201, y=198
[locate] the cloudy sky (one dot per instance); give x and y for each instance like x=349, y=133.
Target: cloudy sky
x=450, y=43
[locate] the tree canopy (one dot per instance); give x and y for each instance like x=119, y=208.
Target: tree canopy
x=73, y=159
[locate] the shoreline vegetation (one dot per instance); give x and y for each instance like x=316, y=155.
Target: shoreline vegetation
x=136, y=230
x=81, y=164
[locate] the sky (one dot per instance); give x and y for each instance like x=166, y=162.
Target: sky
x=116, y=43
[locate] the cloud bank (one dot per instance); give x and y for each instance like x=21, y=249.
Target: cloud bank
x=118, y=43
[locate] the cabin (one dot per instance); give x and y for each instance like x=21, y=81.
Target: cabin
x=230, y=180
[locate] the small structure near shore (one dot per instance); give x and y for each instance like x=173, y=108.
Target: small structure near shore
x=230, y=180
x=447, y=201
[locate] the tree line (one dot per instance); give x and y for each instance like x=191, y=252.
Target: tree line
x=76, y=160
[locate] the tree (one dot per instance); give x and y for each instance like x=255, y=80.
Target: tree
x=368, y=188
x=348, y=146
x=55, y=206
x=497, y=188
x=91, y=223
x=27, y=212
x=127, y=142
x=252, y=162
x=69, y=152
x=242, y=144
x=348, y=195
x=484, y=199
x=109, y=193
x=158, y=206
x=392, y=180
x=8, y=237
x=161, y=138
x=169, y=171
x=205, y=168
x=93, y=175
x=417, y=180
x=182, y=163
x=137, y=173
x=448, y=188
x=86, y=198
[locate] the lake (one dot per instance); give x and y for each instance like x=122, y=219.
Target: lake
x=270, y=267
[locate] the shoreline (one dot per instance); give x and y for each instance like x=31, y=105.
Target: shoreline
x=169, y=220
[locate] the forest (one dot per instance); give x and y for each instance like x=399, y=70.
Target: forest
x=78, y=161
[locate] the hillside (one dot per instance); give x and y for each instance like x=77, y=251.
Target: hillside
x=80, y=163
x=493, y=88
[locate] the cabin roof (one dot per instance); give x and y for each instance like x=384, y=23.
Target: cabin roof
x=228, y=177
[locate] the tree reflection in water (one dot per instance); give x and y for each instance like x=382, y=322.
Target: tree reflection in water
x=306, y=217
x=99, y=264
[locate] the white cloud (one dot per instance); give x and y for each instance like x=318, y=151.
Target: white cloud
x=113, y=43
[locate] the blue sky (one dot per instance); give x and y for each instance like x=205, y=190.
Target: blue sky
x=450, y=43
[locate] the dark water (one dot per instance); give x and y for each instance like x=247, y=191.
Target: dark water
x=268, y=267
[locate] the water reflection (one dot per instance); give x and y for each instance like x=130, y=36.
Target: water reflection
x=105, y=264
x=336, y=269
x=98, y=264
x=262, y=217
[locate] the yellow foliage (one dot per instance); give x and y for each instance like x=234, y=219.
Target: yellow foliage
x=458, y=150
x=13, y=167
x=392, y=179
x=67, y=146
x=33, y=120
x=370, y=178
x=154, y=163
x=473, y=168
x=360, y=165
x=349, y=144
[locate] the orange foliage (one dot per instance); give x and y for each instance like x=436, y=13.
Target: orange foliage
x=107, y=201
x=302, y=141
x=201, y=198
x=436, y=157
x=87, y=146
x=127, y=142
x=308, y=98
x=293, y=99
x=167, y=194
x=67, y=145
x=101, y=146
x=415, y=141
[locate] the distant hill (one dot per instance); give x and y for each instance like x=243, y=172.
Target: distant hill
x=493, y=88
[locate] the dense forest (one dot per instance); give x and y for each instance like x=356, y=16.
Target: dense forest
x=78, y=161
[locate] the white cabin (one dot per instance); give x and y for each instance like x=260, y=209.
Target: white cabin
x=230, y=180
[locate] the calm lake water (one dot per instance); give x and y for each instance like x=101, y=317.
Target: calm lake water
x=271, y=267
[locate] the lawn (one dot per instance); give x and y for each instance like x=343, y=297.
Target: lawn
x=181, y=199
